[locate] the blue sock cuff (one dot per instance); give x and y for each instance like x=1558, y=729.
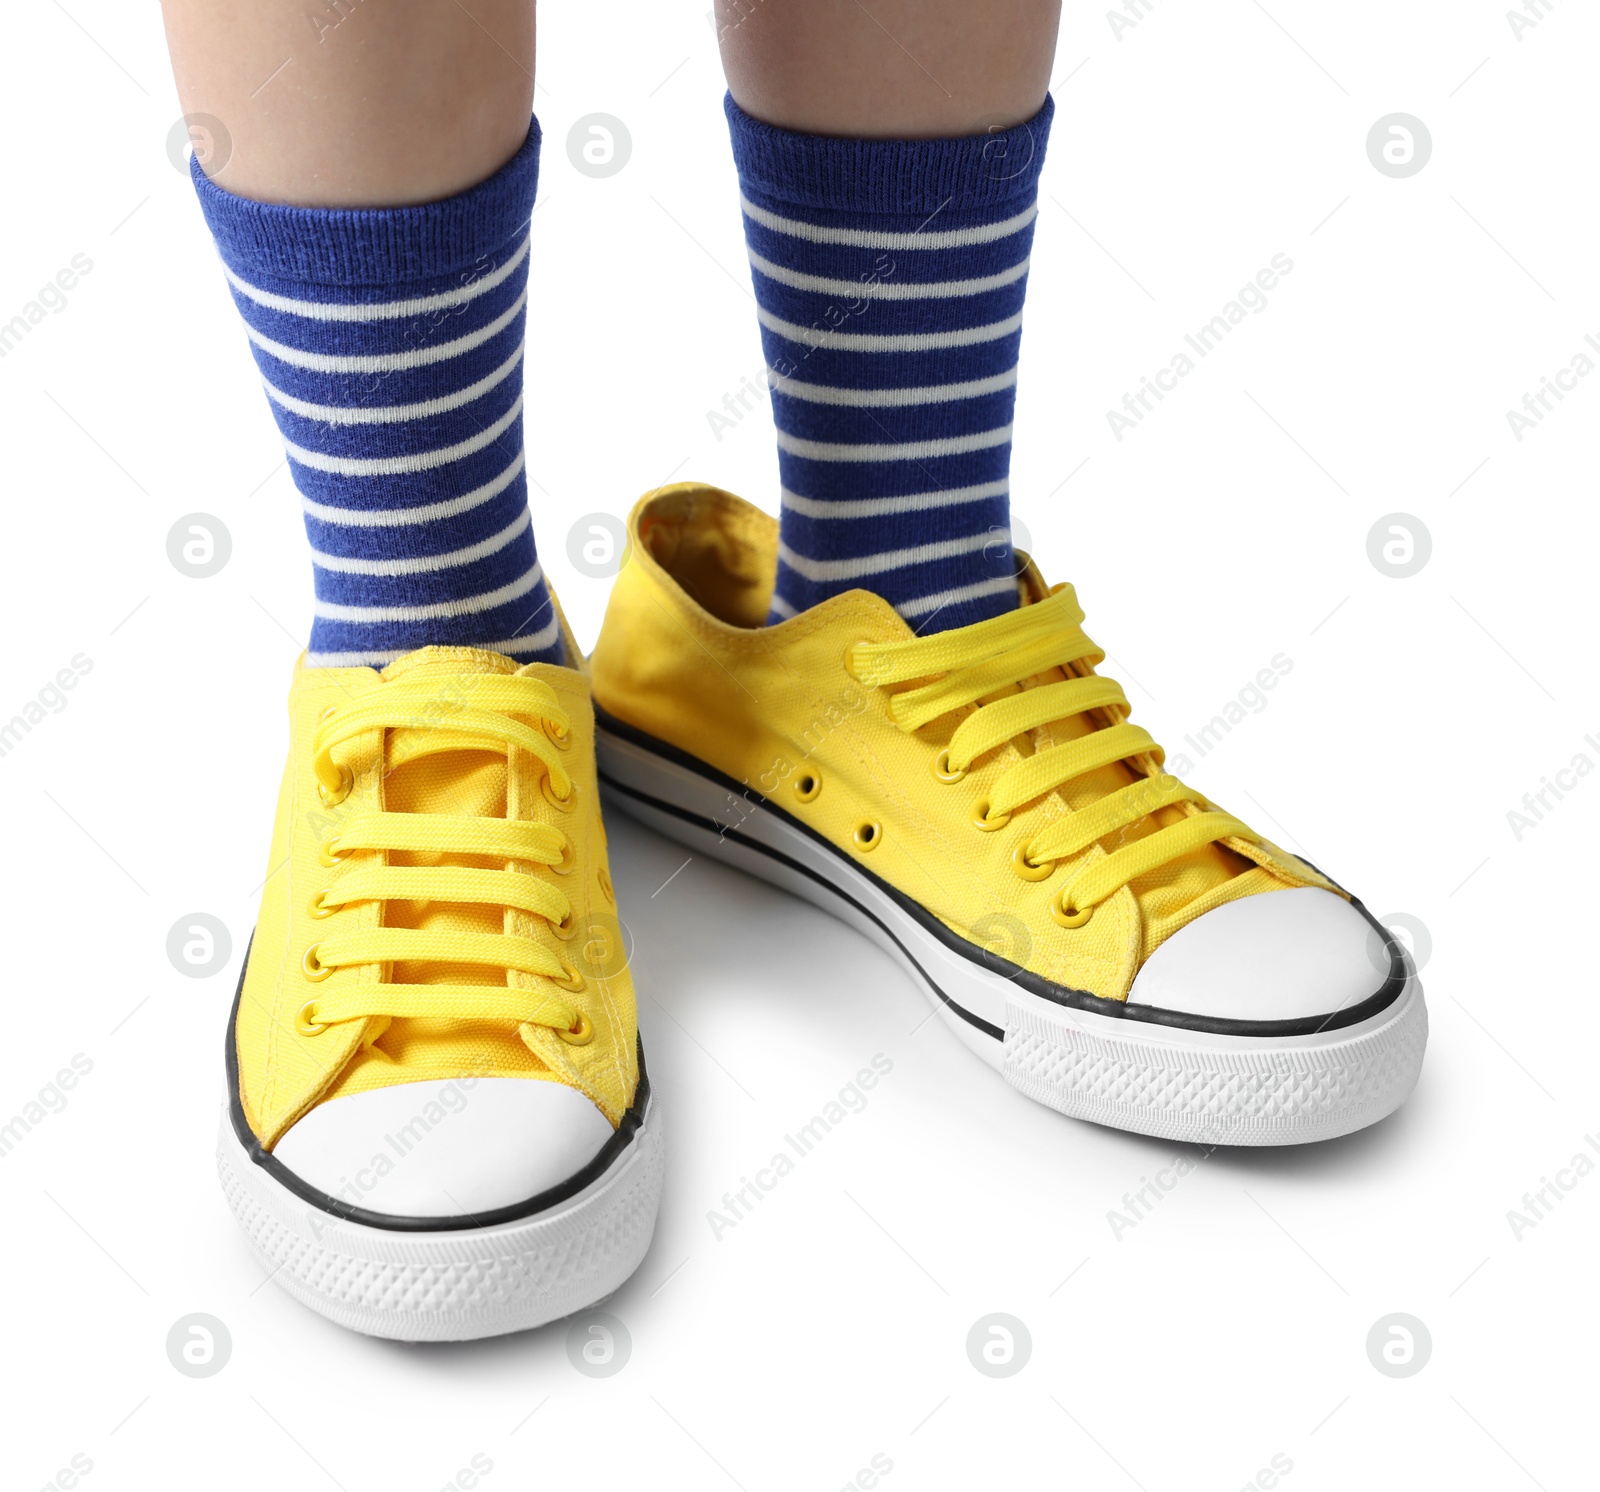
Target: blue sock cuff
x=890, y=176
x=367, y=246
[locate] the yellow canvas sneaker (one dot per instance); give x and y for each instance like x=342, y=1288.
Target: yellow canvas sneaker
x=438, y=1123
x=978, y=802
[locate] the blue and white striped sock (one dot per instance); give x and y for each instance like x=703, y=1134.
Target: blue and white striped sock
x=391, y=343
x=889, y=278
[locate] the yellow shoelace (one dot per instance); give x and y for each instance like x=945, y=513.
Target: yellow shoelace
x=964, y=666
x=470, y=713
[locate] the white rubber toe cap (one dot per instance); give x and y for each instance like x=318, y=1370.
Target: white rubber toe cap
x=1279, y=955
x=445, y=1149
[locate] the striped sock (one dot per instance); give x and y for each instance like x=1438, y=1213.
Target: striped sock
x=391, y=344
x=889, y=278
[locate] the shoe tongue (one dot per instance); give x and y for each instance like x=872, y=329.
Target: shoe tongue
x=467, y=780
x=421, y=778
x=442, y=662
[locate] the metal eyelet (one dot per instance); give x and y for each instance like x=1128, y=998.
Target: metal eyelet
x=868, y=835
x=561, y=737
x=1026, y=869
x=570, y=980
x=567, y=927
x=1068, y=916
x=605, y=886
x=306, y=1022
x=564, y=805
x=943, y=771
x=982, y=820
x=328, y=854
x=319, y=908
x=313, y=970
x=807, y=785
x=579, y=1035
x=569, y=858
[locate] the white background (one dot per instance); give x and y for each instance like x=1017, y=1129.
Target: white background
x=1227, y=1327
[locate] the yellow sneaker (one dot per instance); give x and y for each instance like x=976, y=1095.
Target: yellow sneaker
x=978, y=802
x=438, y=1121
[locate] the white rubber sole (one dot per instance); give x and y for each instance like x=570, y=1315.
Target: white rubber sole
x=1201, y=1087
x=457, y=1284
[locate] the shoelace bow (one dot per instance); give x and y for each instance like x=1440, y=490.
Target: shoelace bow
x=970, y=663
x=484, y=721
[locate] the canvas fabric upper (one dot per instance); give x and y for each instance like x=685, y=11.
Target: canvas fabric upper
x=684, y=656
x=425, y=768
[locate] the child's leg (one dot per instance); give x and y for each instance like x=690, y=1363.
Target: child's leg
x=405, y=102
x=911, y=70
x=372, y=221
x=888, y=166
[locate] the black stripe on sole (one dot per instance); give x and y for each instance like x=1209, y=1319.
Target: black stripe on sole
x=591, y=1171
x=1034, y=984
